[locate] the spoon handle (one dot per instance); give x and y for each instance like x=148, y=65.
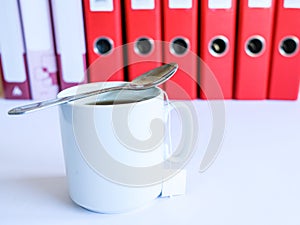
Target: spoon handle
x=56, y=101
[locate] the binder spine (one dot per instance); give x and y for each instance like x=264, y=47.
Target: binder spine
x=217, y=48
x=103, y=31
x=143, y=35
x=12, y=52
x=285, y=70
x=181, y=43
x=41, y=58
x=70, y=42
x=254, y=45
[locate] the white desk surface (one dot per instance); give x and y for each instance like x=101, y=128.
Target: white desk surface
x=254, y=180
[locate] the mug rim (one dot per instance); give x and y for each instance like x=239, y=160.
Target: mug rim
x=84, y=103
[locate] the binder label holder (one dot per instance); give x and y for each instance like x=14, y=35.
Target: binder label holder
x=215, y=4
x=103, y=5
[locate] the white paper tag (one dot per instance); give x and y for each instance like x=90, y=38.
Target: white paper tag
x=180, y=4
x=293, y=4
x=220, y=4
x=259, y=3
x=101, y=5
x=142, y=4
x=175, y=185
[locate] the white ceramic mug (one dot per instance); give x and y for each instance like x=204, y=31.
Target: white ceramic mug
x=114, y=153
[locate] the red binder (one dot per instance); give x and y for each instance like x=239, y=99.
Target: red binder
x=180, y=35
x=285, y=69
x=254, y=48
x=104, y=39
x=217, y=48
x=143, y=32
x=13, y=65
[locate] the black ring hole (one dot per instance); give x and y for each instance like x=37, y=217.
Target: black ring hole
x=103, y=46
x=180, y=46
x=143, y=46
x=255, y=46
x=289, y=46
x=218, y=46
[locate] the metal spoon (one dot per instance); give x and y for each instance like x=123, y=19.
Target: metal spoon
x=149, y=79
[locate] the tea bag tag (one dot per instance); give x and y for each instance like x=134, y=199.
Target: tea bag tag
x=174, y=186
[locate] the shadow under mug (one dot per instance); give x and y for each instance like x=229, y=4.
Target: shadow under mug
x=114, y=147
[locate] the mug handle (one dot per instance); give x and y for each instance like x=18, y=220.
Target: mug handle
x=178, y=158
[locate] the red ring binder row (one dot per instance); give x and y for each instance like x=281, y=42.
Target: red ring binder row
x=230, y=49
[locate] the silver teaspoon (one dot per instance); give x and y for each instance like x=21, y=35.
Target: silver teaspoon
x=149, y=79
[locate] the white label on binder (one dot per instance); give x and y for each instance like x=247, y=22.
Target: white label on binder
x=294, y=4
x=70, y=42
x=219, y=4
x=101, y=5
x=36, y=23
x=180, y=4
x=12, y=46
x=259, y=3
x=145, y=4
